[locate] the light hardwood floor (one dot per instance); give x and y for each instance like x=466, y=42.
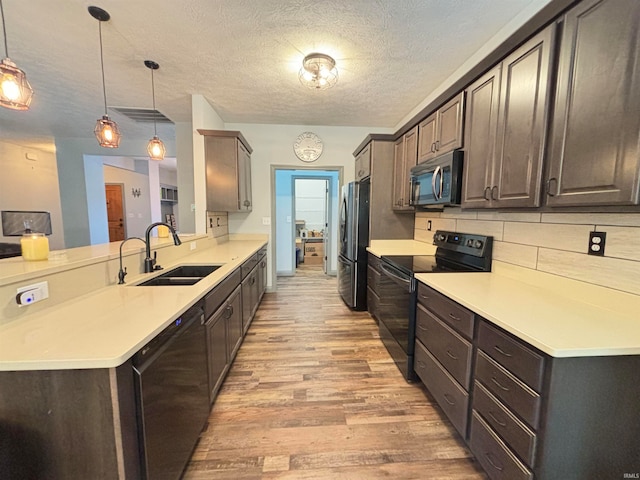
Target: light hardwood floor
x=313, y=394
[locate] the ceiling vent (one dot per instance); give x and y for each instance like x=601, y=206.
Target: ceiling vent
x=142, y=114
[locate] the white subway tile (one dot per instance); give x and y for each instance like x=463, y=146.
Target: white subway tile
x=559, y=236
x=516, y=254
x=622, y=242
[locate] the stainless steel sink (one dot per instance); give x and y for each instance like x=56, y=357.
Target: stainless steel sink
x=182, y=275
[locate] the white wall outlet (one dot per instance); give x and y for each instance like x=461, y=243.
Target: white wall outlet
x=266, y=220
x=32, y=293
x=192, y=245
x=193, y=207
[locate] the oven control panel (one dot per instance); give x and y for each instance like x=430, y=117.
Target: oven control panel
x=468, y=243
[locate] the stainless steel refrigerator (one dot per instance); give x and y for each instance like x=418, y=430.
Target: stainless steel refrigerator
x=354, y=238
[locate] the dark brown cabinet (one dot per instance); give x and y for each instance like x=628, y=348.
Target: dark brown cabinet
x=228, y=171
x=262, y=273
x=363, y=163
x=507, y=112
x=594, y=154
x=441, y=132
x=373, y=286
x=250, y=290
x=405, y=156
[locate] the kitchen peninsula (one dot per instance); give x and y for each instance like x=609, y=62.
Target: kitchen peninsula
x=67, y=397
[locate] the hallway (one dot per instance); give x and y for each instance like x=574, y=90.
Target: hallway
x=313, y=394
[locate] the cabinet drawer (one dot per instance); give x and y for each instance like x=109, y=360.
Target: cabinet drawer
x=373, y=279
x=449, y=395
x=492, y=453
x=513, y=393
x=373, y=303
x=248, y=264
x=220, y=292
x=457, y=316
x=516, y=357
x=451, y=350
x=374, y=261
x=515, y=433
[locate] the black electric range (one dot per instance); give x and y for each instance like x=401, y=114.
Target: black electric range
x=456, y=252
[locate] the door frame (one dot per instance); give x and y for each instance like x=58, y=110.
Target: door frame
x=327, y=215
x=337, y=169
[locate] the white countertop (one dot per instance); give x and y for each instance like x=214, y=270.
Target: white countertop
x=561, y=317
x=400, y=247
x=105, y=328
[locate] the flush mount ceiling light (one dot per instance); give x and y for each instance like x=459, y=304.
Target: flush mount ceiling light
x=318, y=71
x=106, y=131
x=15, y=91
x=155, y=148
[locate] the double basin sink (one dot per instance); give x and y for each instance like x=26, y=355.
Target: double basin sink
x=182, y=275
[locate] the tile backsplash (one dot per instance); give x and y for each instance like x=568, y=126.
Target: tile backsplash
x=554, y=243
x=217, y=224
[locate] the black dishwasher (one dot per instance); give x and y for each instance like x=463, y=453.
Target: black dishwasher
x=172, y=395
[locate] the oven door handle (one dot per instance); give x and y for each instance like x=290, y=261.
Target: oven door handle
x=405, y=281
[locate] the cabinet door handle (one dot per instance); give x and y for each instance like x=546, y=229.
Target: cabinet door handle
x=424, y=297
x=484, y=194
x=502, y=424
x=446, y=399
x=422, y=327
x=433, y=147
x=499, y=385
x=502, y=352
x=437, y=145
x=555, y=182
x=451, y=355
x=493, y=189
x=453, y=317
x=493, y=464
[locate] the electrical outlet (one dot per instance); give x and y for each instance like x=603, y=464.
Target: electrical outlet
x=428, y=225
x=192, y=245
x=596, y=243
x=210, y=222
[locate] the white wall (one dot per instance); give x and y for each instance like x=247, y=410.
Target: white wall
x=137, y=209
x=31, y=184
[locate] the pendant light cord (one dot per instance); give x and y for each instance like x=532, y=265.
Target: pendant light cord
x=4, y=31
x=104, y=88
x=153, y=94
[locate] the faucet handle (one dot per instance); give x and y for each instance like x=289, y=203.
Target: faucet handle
x=121, y=274
x=155, y=267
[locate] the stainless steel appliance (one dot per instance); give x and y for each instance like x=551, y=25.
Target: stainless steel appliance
x=438, y=181
x=456, y=252
x=354, y=237
x=172, y=393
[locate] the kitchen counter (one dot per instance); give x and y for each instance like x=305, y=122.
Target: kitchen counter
x=400, y=247
x=104, y=328
x=561, y=317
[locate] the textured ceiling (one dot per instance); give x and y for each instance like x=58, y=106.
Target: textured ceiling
x=242, y=55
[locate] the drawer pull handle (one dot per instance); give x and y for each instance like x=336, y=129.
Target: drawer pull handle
x=451, y=315
x=501, y=387
x=495, y=419
x=451, y=355
x=422, y=327
x=493, y=464
x=424, y=297
x=446, y=399
x=421, y=364
x=499, y=350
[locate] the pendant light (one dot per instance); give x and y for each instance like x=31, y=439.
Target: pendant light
x=155, y=148
x=15, y=91
x=106, y=131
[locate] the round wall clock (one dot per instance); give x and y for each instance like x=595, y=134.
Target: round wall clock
x=308, y=147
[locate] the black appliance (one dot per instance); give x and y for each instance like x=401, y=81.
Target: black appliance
x=437, y=181
x=172, y=393
x=354, y=238
x=456, y=252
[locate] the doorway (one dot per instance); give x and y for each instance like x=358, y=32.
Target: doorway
x=115, y=211
x=311, y=206
x=284, y=212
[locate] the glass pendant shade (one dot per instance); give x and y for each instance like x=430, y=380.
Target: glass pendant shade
x=318, y=71
x=107, y=132
x=156, y=149
x=15, y=91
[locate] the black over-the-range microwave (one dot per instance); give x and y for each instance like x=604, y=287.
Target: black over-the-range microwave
x=438, y=181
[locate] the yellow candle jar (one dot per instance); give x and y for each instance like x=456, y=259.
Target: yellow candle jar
x=163, y=231
x=35, y=246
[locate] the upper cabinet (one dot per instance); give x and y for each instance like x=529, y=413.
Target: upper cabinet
x=507, y=112
x=363, y=163
x=594, y=150
x=405, y=156
x=441, y=132
x=228, y=171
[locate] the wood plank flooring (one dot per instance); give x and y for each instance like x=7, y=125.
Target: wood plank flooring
x=313, y=394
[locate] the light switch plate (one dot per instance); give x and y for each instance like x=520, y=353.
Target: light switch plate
x=266, y=220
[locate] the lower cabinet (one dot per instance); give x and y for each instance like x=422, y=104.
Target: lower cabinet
x=526, y=415
x=373, y=286
x=253, y=276
x=262, y=273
